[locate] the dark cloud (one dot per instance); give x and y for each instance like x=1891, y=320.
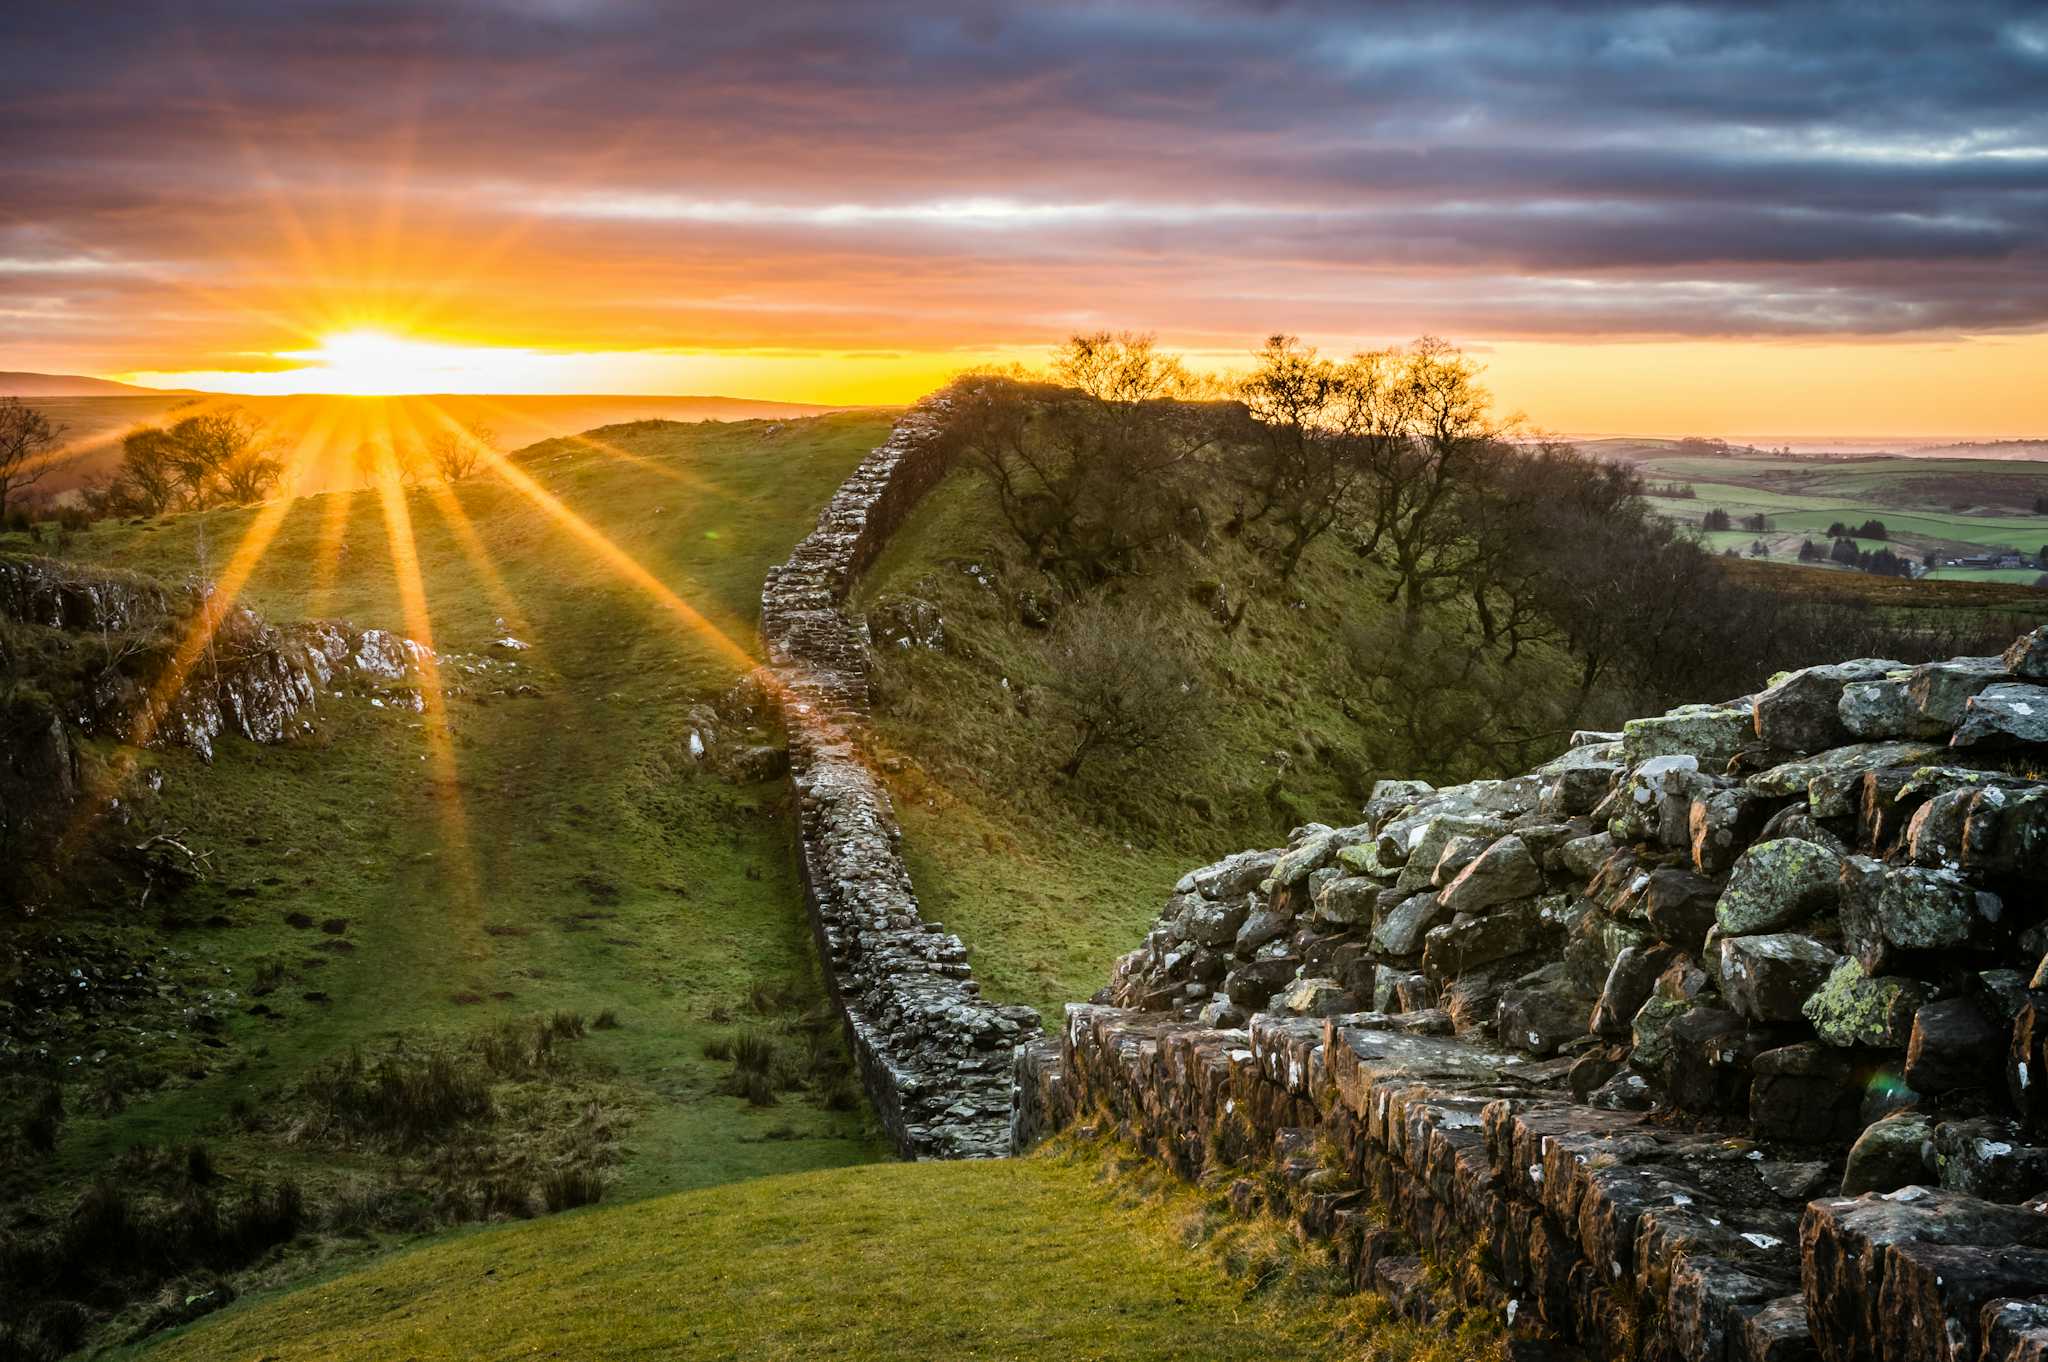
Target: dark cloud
x=1518, y=168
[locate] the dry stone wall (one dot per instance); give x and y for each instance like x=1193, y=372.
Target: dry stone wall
x=1721, y=1037
x=933, y=1055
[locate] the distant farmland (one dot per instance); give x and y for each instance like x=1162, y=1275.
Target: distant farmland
x=1950, y=506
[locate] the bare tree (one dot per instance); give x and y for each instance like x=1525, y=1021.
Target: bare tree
x=27, y=440
x=1316, y=428
x=1415, y=482
x=1090, y=472
x=222, y=458
x=457, y=451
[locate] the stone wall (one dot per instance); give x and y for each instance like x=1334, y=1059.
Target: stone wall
x=1719, y=1037
x=934, y=1057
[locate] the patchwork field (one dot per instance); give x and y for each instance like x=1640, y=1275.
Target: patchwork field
x=1955, y=507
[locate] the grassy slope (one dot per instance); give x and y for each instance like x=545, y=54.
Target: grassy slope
x=1049, y=882
x=1010, y=1259
x=601, y=871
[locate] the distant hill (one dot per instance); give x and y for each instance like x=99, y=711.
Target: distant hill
x=68, y=385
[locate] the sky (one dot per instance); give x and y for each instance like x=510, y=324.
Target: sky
x=1740, y=219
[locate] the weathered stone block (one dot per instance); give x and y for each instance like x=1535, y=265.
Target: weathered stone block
x=1778, y=884
x=1769, y=978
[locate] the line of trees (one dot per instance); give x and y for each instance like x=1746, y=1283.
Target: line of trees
x=1500, y=554
x=219, y=457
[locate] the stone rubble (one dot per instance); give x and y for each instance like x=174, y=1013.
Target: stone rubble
x=933, y=1056
x=1722, y=1037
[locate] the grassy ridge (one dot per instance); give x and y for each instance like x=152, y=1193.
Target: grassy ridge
x=584, y=862
x=1019, y=1258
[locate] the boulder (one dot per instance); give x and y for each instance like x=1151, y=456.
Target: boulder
x=1399, y=931
x=1895, y=1152
x=2028, y=655
x=1874, y=710
x=1778, y=884
x=1680, y=907
x=1583, y=855
x=1940, y=692
x=1891, y=909
x=2003, y=715
x=1954, y=1045
x=1506, y=871
x=1311, y=853
x=1207, y=922
x=1769, y=978
x=1389, y=797
x=1710, y=1054
x=1855, y=1008
x=2026, y=1062
x=1801, y=712
x=1345, y=900
x=1250, y=985
x=1539, y=1021
x=1454, y=948
x=1630, y=981
x=1806, y=1093
x=1317, y=998
x=1230, y=878
x=1721, y=824
x=1261, y=926
x=1711, y=735
x=1989, y=1157
x=1458, y=853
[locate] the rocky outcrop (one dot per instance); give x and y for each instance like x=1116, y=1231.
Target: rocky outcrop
x=1721, y=1036
x=934, y=1057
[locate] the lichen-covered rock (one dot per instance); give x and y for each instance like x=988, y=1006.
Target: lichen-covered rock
x=2026, y=1062
x=1506, y=871
x=1890, y=909
x=1778, y=884
x=1311, y=852
x=1455, y=948
x=1768, y=978
x=1400, y=930
x=1875, y=710
x=1853, y=1008
x=2008, y=714
x=1208, y=922
x=1710, y=735
x=1346, y=900
x=1230, y=878
x=1721, y=824
x=2028, y=655
x=906, y=622
x=1990, y=1157
x=1801, y=712
x=1895, y=1152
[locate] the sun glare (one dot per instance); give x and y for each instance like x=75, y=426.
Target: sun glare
x=372, y=363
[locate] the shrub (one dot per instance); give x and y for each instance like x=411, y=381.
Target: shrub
x=607, y=1020
x=40, y=1126
x=567, y=1188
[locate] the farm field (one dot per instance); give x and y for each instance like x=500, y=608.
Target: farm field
x=1949, y=507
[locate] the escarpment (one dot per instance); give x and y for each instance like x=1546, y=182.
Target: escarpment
x=933, y=1055
x=90, y=653
x=1722, y=1036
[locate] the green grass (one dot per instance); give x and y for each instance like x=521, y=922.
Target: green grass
x=1021, y=1258
x=1049, y=880
x=581, y=860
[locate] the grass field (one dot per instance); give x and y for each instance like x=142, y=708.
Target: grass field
x=1036, y=1257
x=585, y=864
x=1955, y=507
x=323, y=433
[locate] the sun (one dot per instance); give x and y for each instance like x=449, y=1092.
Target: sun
x=370, y=362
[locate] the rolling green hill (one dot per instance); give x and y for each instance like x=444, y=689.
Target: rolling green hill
x=584, y=864
x=999, y=1260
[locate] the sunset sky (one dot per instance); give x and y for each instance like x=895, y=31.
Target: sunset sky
x=1748, y=220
